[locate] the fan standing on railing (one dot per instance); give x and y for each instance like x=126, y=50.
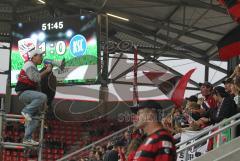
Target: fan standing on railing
x=28, y=92
x=158, y=144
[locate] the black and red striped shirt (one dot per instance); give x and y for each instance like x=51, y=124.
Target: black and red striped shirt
x=158, y=146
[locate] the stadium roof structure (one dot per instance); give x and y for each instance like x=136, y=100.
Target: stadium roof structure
x=184, y=29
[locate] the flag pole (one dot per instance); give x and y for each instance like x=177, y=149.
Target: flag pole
x=135, y=68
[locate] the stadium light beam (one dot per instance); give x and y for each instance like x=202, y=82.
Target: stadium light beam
x=115, y=16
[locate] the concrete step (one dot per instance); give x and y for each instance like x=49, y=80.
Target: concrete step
x=227, y=152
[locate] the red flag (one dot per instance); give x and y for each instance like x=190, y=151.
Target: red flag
x=171, y=85
x=178, y=94
x=228, y=46
x=233, y=7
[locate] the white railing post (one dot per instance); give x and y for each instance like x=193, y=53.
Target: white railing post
x=233, y=130
x=209, y=129
x=218, y=138
x=209, y=136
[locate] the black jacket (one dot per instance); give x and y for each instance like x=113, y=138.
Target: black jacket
x=227, y=109
x=48, y=86
x=111, y=155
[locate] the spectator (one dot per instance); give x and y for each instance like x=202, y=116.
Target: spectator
x=92, y=156
x=103, y=150
x=136, y=133
x=236, y=72
x=208, y=100
x=193, y=110
x=192, y=98
x=226, y=107
x=179, y=120
x=98, y=156
x=27, y=89
x=112, y=155
x=126, y=139
x=159, y=144
x=236, y=91
x=168, y=124
x=48, y=86
x=109, y=146
x=227, y=85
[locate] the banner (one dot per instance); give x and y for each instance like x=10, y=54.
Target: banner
x=224, y=137
x=193, y=152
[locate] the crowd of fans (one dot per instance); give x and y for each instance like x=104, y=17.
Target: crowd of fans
x=215, y=104
x=114, y=150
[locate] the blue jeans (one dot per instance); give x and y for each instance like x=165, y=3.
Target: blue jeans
x=33, y=101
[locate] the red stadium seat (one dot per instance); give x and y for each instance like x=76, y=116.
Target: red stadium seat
x=61, y=151
x=7, y=158
x=21, y=154
x=22, y=159
x=54, y=151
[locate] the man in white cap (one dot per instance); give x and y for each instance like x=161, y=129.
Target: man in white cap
x=27, y=89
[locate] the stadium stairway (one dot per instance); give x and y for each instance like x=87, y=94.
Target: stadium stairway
x=229, y=151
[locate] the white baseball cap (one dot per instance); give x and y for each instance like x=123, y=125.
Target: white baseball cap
x=35, y=52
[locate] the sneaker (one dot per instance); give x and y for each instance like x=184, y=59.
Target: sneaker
x=30, y=142
x=27, y=117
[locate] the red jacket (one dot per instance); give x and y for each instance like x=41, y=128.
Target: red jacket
x=24, y=83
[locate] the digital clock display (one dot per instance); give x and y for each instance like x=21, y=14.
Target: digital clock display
x=52, y=26
x=74, y=39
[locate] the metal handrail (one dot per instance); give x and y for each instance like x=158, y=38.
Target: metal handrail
x=209, y=136
x=19, y=116
x=179, y=144
x=209, y=129
x=16, y=144
x=91, y=145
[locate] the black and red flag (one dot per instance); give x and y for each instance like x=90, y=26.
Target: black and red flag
x=233, y=7
x=229, y=45
x=173, y=86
